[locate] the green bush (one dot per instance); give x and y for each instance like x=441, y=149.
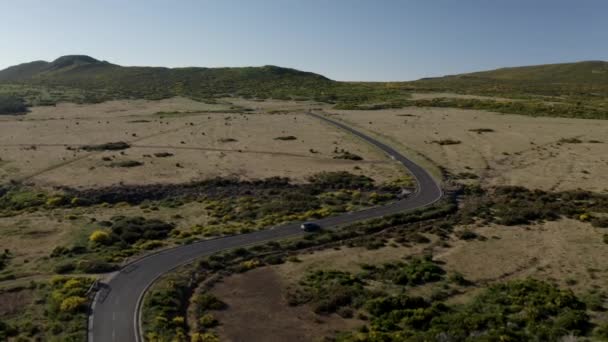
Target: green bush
x=415, y=272
x=111, y=146
x=11, y=105
x=133, y=229
x=207, y=301
x=522, y=310
x=328, y=291
x=341, y=180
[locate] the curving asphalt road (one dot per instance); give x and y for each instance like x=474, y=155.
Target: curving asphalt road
x=115, y=309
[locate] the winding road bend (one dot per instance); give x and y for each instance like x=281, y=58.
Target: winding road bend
x=115, y=312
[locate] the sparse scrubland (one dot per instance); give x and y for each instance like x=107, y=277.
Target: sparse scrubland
x=389, y=277
x=109, y=163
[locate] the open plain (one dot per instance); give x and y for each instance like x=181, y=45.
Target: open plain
x=175, y=141
x=501, y=149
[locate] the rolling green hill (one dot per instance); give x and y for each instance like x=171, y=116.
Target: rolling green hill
x=568, y=90
x=571, y=79
x=89, y=74
x=85, y=79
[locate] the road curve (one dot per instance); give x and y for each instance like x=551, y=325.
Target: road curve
x=115, y=309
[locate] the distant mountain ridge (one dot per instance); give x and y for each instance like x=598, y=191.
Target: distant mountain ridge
x=106, y=80
x=36, y=69
x=80, y=78
x=88, y=65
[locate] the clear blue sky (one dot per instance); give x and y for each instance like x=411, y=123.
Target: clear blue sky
x=342, y=39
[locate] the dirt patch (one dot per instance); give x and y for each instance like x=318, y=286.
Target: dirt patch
x=257, y=311
x=12, y=303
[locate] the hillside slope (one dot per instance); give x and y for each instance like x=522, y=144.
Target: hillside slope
x=89, y=74
x=581, y=78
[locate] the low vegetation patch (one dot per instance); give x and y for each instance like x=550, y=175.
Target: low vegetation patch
x=343, y=292
x=111, y=146
x=126, y=163
x=166, y=308
x=513, y=205
x=343, y=154
x=570, y=141
x=482, y=130
x=517, y=310
x=446, y=142
x=11, y=105
x=286, y=138
x=126, y=231
x=163, y=154
x=57, y=311
x=4, y=258
x=417, y=271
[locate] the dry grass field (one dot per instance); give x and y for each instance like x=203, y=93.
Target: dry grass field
x=535, y=152
x=200, y=141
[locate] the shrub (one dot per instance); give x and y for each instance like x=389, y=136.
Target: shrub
x=12, y=105
x=417, y=271
x=328, y=291
x=600, y=222
x=481, y=130
x=134, y=229
x=4, y=258
x=64, y=268
x=446, y=142
x=95, y=266
x=111, y=146
x=341, y=180
x=467, y=235
x=570, y=141
x=347, y=156
x=72, y=304
x=207, y=321
x=126, y=163
x=100, y=237
x=208, y=301
x=163, y=154
x=289, y=137
x=55, y=201
x=601, y=332
x=522, y=310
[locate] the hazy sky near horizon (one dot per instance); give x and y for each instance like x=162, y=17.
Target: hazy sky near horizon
x=369, y=40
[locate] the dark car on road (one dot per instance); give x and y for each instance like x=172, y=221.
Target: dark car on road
x=310, y=227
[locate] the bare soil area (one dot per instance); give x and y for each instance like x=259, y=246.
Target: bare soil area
x=257, y=311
